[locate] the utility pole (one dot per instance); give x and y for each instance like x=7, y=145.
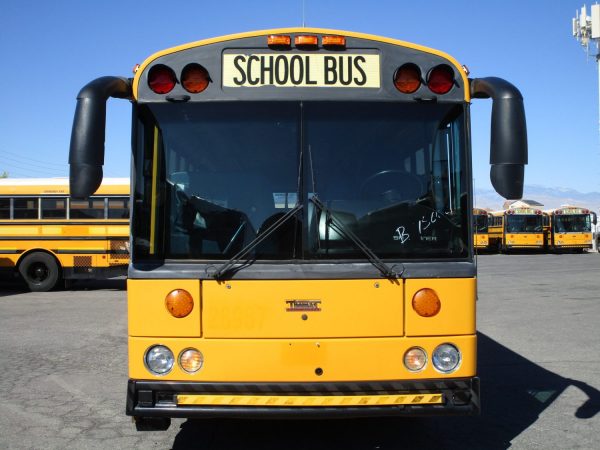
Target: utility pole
x=586, y=29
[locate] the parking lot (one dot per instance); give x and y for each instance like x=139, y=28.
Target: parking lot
x=63, y=364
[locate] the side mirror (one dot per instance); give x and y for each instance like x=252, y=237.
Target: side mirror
x=86, y=153
x=508, y=146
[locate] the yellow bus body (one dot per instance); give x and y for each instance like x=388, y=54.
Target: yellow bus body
x=505, y=240
x=560, y=239
x=81, y=248
x=236, y=311
x=481, y=239
x=246, y=334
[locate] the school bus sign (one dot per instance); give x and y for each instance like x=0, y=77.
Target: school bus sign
x=301, y=70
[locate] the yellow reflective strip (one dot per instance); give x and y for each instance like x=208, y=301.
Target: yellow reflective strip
x=309, y=401
x=154, y=189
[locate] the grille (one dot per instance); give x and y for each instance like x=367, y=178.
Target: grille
x=119, y=250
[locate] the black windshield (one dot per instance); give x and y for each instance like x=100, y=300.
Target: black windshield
x=521, y=223
x=394, y=174
x=572, y=223
x=480, y=223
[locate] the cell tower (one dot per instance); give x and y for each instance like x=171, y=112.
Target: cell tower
x=586, y=29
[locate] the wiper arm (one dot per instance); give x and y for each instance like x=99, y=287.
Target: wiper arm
x=341, y=228
x=226, y=267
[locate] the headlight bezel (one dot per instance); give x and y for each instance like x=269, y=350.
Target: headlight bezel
x=426, y=359
x=187, y=349
x=435, y=356
x=148, y=365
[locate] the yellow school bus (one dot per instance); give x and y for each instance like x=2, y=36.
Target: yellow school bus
x=481, y=218
x=46, y=237
x=569, y=228
x=301, y=225
x=517, y=228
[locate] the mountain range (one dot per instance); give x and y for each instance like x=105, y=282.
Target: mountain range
x=549, y=197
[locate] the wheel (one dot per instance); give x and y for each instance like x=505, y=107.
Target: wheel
x=40, y=271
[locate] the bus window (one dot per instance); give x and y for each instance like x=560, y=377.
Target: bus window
x=118, y=208
x=92, y=208
x=4, y=208
x=54, y=208
x=25, y=208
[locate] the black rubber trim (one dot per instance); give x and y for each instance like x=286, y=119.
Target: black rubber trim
x=156, y=399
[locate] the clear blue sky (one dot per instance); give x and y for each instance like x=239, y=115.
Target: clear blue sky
x=50, y=49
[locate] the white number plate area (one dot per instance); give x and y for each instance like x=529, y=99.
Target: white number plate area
x=301, y=70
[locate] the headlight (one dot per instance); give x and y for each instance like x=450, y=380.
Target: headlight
x=191, y=360
x=415, y=359
x=159, y=360
x=446, y=358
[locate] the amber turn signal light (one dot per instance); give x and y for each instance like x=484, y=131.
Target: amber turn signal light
x=306, y=41
x=426, y=302
x=407, y=78
x=194, y=78
x=279, y=40
x=179, y=303
x=334, y=41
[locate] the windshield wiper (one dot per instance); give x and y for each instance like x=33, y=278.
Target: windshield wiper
x=341, y=228
x=227, y=266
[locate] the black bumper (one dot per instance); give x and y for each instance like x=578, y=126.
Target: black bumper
x=158, y=399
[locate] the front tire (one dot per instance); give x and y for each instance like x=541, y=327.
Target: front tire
x=40, y=271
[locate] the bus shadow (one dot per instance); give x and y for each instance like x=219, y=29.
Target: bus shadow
x=514, y=391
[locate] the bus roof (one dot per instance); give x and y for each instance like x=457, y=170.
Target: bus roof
x=58, y=186
x=302, y=30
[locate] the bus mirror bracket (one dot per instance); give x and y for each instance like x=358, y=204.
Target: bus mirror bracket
x=86, y=152
x=508, y=143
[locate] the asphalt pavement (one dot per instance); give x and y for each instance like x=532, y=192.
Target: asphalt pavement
x=63, y=372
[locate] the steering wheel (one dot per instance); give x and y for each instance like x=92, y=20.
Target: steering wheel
x=392, y=185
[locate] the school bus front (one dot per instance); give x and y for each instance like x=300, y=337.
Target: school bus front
x=301, y=228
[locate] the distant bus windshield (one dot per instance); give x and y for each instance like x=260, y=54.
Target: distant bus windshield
x=394, y=174
x=572, y=223
x=480, y=223
x=523, y=223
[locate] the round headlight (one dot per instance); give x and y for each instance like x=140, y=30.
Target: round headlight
x=415, y=359
x=446, y=358
x=191, y=360
x=159, y=359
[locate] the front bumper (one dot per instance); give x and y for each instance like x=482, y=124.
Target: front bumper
x=302, y=400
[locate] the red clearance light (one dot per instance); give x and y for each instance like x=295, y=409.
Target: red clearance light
x=334, y=41
x=407, y=78
x=440, y=79
x=194, y=78
x=306, y=41
x=278, y=40
x=161, y=79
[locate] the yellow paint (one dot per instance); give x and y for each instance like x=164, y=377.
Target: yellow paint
x=58, y=186
x=259, y=309
x=575, y=240
x=309, y=400
x=290, y=360
x=318, y=31
x=457, y=313
x=61, y=232
x=481, y=240
x=148, y=315
x=524, y=240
